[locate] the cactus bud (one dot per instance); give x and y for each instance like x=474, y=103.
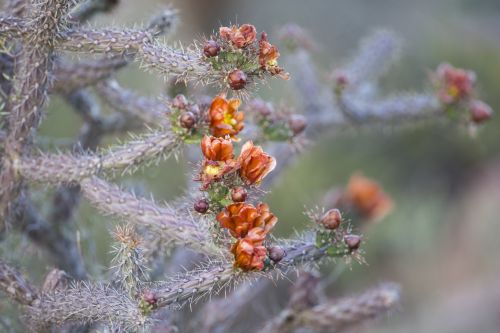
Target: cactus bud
x=238, y=194
x=179, y=102
x=211, y=48
x=352, y=241
x=276, y=253
x=237, y=79
x=187, y=120
x=331, y=219
x=201, y=206
x=297, y=123
x=480, y=112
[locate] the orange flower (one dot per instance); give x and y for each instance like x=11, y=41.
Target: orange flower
x=254, y=163
x=214, y=170
x=239, y=218
x=239, y=37
x=224, y=117
x=454, y=84
x=367, y=198
x=217, y=149
x=268, y=53
x=249, y=254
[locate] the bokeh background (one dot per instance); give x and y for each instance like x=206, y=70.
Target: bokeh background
x=442, y=240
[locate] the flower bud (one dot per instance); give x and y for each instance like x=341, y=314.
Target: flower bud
x=276, y=253
x=211, y=48
x=297, y=123
x=237, y=79
x=238, y=194
x=352, y=241
x=480, y=112
x=187, y=120
x=149, y=297
x=179, y=102
x=331, y=219
x=201, y=206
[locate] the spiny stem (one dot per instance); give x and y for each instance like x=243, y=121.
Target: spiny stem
x=67, y=168
x=174, y=226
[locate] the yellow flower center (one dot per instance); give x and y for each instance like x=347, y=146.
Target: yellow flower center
x=212, y=170
x=453, y=91
x=228, y=119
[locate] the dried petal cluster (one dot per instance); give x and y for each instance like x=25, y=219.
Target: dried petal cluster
x=456, y=87
x=241, y=36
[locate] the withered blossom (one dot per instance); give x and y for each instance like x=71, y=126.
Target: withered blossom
x=241, y=36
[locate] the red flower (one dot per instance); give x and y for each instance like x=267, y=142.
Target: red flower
x=268, y=53
x=254, y=163
x=224, y=117
x=239, y=218
x=217, y=149
x=454, y=84
x=239, y=37
x=249, y=254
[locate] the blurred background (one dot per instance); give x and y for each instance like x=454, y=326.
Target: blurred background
x=440, y=242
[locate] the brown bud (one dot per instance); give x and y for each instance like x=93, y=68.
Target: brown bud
x=480, y=111
x=352, y=241
x=211, y=48
x=187, y=120
x=239, y=194
x=237, y=79
x=331, y=219
x=297, y=123
x=276, y=253
x=149, y=297
x=201, y=206
x=179, y=102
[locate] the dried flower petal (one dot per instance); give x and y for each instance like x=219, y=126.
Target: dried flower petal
x=241, y=36
x=268, y=53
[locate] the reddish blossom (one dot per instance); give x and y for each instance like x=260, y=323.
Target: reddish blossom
x=239, y=218
x=249, y=253
x=255, y=164
x=224, y=117
x=241, y=36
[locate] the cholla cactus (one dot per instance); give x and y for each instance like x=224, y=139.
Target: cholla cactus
x=223, y=220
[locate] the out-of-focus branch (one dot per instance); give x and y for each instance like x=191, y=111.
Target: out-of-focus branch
x=69, y=76
x=86, y=10
x=151, y=111
x=339, y=314
x=16, y=286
